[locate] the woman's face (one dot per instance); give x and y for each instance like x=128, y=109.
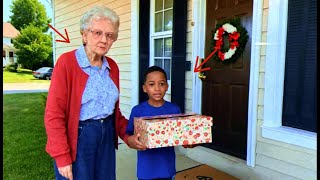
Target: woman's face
x=99, y=37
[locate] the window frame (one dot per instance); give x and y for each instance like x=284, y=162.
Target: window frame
x=158, y=35
x=274, y=82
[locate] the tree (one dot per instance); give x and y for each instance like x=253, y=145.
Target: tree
x=34, y=48
x=26, y=12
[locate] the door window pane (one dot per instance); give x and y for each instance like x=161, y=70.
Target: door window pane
x=158, y=22
x=158, y=62
x=168, y=20
x=167, y=47
x=168, y=4
x=167, y=67
x=159, y=5
x=158, y=47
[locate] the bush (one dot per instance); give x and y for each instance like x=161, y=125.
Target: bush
x=34, y=47
x=12, y=67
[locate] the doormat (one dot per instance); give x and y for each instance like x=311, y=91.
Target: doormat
x=203, y=172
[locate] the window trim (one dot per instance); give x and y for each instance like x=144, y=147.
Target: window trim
x=274, y=82
x=157, y=35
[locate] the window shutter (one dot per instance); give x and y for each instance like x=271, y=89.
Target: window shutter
x=300, y=86
x=144, y=34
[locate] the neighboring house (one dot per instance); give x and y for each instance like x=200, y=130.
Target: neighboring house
x=263, y=105
x=9, y=33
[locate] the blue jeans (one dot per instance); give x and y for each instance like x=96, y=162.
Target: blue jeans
x=95, y=152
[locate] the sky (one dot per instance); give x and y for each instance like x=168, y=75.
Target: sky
x=7, y=13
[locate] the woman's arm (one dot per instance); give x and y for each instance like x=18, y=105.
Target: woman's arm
x=55, y=116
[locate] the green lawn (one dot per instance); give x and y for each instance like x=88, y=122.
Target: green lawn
x=24, y=138
x=23, y=75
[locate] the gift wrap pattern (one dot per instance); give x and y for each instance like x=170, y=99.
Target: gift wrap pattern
x=174, y=130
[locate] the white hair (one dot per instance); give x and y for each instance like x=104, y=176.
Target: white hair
x=99, y=12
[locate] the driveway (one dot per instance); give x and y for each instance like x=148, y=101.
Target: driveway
x=12, y=88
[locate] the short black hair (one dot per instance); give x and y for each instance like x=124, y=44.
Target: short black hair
x=153, y=69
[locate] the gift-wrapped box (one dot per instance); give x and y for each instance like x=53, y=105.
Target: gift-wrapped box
x=173, y=130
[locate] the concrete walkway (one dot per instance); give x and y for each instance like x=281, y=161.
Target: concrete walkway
x=125, y=157
x=13, y=88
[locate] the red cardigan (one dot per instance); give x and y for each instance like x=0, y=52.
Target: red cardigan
x=63, y=108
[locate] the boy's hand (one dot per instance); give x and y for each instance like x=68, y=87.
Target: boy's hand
x=133, y=142
x=190, y=145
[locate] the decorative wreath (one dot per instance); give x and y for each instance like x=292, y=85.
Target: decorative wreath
x=229, y=40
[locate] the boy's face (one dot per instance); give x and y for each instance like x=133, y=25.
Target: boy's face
x=155, y=86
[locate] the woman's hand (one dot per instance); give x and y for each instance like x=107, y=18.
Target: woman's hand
x=66, y=171
x=133, y=142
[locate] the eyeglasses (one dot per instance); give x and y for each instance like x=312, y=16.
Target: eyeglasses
x=98, y=35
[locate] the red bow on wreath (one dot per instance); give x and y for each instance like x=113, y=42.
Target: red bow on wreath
x=234, y=36
x=234, y=44
x=220, y=33
x=218, y=44
x=221, y=55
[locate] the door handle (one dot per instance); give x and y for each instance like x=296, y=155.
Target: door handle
x=202, y=76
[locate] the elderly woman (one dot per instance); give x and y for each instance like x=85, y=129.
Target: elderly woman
x=82, y=115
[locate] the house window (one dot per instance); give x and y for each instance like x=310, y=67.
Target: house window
x=162, y=54
x=11, y=60
x=161, y=13
x=285, y=64
x=3, y=53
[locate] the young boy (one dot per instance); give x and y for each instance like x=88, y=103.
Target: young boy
x=157, y=163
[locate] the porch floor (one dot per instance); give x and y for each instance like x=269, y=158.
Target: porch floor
x=126, y=162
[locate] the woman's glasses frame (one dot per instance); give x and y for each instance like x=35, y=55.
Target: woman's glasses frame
x=96, y=34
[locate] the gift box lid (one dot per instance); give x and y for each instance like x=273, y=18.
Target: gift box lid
x=176, y=117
